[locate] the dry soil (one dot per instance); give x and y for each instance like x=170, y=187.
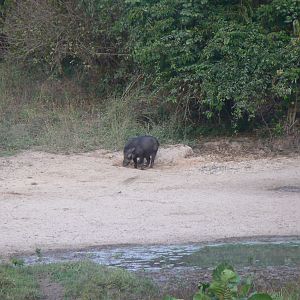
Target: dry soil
x=51, y=201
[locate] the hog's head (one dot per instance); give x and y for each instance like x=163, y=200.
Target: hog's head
x=128, y=156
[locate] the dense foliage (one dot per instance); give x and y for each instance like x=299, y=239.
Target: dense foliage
x=229, y=62
x=212, y=55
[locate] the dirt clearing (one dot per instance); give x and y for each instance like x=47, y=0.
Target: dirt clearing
x=53, y=201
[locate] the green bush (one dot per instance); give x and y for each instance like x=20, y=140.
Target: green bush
x=230, y=63
x=226, y=285
x=210, y=57
x=69, y=38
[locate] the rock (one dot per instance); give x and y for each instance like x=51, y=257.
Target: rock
x=173, y=154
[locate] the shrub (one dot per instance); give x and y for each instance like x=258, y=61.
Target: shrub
x=226, y=285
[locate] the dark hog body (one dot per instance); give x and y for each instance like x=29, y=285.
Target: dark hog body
x=140, y=148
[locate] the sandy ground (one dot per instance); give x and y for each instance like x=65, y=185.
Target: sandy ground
x=53, y=201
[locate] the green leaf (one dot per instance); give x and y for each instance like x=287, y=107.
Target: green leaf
x=228, y=276
x=217, y=272
x=218, y=288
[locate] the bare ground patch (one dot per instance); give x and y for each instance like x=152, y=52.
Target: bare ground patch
x=50, y=290
x=88, y=199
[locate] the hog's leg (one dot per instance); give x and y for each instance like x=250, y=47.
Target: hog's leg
x=135, y=162
x=148, y=161
x=141, y=162
x=152, y=159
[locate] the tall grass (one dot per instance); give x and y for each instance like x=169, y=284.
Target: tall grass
x=126, y=116
x=57, y=116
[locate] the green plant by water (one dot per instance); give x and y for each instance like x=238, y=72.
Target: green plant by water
x=226, y=285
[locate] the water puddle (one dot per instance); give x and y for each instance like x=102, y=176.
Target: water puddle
x=285, y=252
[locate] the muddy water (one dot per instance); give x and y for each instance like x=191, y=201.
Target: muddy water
x=282, y=252
x=177, y=269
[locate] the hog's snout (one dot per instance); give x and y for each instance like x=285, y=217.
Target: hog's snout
x=126, y=162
